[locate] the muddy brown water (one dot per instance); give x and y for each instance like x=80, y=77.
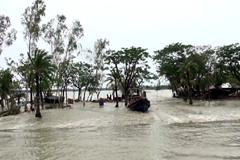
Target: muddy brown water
x=171, y=130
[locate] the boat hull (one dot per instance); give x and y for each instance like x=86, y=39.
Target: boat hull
x=141, y=105
x=53, y=99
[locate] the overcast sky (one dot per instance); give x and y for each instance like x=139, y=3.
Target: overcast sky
x=150, y=24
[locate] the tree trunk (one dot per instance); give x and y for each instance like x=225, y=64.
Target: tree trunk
x=185, y=94
x=66, y=94
x=89, y=96
x=38, y=113
x=84, y=96
x=113, y=93
x=198, y=91
x=126, y=93
x=2, y=103
x=138, y=94
x=208, y=86
x=62, y=96
x=41, y=98
x=31, y=98
x=63, y=91
x=41, y=95
x=116, y=90
x=98, y=93
x=18, y=99
x=59, y=96
x=79, y=93
x=189, y=89
x=7, y=100
x=27, y=93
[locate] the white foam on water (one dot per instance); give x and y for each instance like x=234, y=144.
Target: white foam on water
x=19, y=126
x=83, y=123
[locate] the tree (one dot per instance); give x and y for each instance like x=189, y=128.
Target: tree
x=8, y=88
x=187, y=68
x=99, y=51
x=229, y=57
x=66, y=72
x=87, y=78
x=77, y=78
x=41, y=65
x=168, y=60
x=31, y=19
x=113, y=79
x=64, y=42
x=7, y=36
x=22, y=69
x=54, y=33
x=128, y=64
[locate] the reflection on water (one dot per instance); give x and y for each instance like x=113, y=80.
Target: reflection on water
x=170, y=130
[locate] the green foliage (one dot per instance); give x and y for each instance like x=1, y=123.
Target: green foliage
x=31, y=19
x=6, y=81
x=229, y=58
x=64, y=42
x=129, y=65
x=83, y=74
x=7, y=36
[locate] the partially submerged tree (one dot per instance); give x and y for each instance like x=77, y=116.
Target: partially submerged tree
x=186, y=69
x=41, y=65
x=129, y=63
x=65, y=46
x=113, y=80
x=8, y=92
x=31, y=19
x=100, y=48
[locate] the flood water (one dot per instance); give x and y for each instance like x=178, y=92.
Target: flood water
x=171, y=130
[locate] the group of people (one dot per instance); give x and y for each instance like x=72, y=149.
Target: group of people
x=27, y=106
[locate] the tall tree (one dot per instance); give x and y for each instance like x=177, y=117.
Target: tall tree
x=128, y=63
x=100, y=48
x=41, y=64
x=188, y=68
x=31, y=19
x=229, y=57
x=54, y=33
x=168, y=60
x=64, y=42
x=7, y=36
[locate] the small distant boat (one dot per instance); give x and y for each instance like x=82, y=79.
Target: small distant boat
x=139, y=103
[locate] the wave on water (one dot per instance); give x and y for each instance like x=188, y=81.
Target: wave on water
x=83, y=123
x=195, y=118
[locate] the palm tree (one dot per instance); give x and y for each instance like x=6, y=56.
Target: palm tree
x=187, y=69
x=113, y=79
x=41, y=65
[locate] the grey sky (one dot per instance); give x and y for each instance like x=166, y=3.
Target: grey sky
x=150, y=24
